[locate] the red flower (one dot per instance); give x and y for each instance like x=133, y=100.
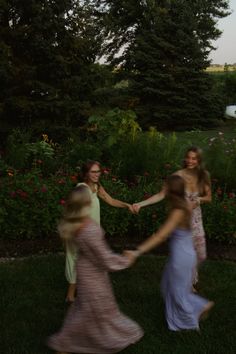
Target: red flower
x=61, y=181
x=44, y=189
x=219, y=191
x=22, y=193
x=225, y=207
x=231, y=195
x=62, y=202
x=114, y=179
x=73, y=178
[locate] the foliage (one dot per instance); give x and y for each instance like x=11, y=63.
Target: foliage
x=116, y=124
x=162, y=47
x=47, y=72
x=31, y=206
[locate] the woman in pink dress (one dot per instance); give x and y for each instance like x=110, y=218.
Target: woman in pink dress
x=197, y=192
x=94, y=323
x=91, y=173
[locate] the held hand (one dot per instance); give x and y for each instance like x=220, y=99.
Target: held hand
x=136, y=208
x=131, y=209
x=131, y=256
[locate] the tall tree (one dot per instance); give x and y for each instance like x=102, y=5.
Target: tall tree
x=47, y=49
x=163, y=46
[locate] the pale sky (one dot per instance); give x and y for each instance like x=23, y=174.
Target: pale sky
x=226, y=44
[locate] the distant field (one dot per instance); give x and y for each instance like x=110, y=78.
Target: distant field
x=228, y=129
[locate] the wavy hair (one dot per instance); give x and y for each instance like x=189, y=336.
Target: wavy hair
x=76, y=209
x=203, y=175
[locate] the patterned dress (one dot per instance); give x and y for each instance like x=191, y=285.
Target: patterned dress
x=198, y=232
x=94, y=323
x=71, y=249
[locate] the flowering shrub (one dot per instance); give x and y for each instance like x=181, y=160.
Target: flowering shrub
x=31, y=205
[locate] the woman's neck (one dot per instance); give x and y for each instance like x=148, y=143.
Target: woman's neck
x=92, y=186
x=191, y=172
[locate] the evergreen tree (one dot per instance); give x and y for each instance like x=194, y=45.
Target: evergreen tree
x=162, y=46
x=47, y=53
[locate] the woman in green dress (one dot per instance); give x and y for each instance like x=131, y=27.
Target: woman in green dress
x=91, y=173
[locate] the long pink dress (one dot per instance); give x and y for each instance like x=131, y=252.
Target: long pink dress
x=94, y=323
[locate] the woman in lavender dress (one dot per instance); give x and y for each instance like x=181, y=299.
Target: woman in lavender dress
x=94, y=323
x=197, y=191
x=183, y=308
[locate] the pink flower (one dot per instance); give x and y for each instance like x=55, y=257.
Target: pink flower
x=114, y=179
x=62, y=202
x=231, y=195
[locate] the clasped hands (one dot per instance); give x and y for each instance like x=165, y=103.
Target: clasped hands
x=132, y=256
x=134, y=208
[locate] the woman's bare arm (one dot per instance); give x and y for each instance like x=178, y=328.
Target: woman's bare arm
x=174, y=219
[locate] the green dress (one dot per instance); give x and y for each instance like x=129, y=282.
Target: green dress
x=71, y=248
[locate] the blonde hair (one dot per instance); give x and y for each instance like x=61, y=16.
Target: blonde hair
x=77, y=207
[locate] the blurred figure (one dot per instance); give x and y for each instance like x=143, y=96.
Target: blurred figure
x=91, y=172
x=183, y=308
x=93, y=323
x=197, y=191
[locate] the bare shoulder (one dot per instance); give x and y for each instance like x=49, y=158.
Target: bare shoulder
x=179, y=173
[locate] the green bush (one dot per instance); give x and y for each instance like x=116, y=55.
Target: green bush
x=32, y=204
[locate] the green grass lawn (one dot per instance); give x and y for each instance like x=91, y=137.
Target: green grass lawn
x=32, y=306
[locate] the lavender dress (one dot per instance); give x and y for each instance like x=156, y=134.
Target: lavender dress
x=182, y=307
x=94, y=323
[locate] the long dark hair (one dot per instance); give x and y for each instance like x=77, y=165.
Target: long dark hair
x=176, y=195
x=87, y=167
x=202, y=174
